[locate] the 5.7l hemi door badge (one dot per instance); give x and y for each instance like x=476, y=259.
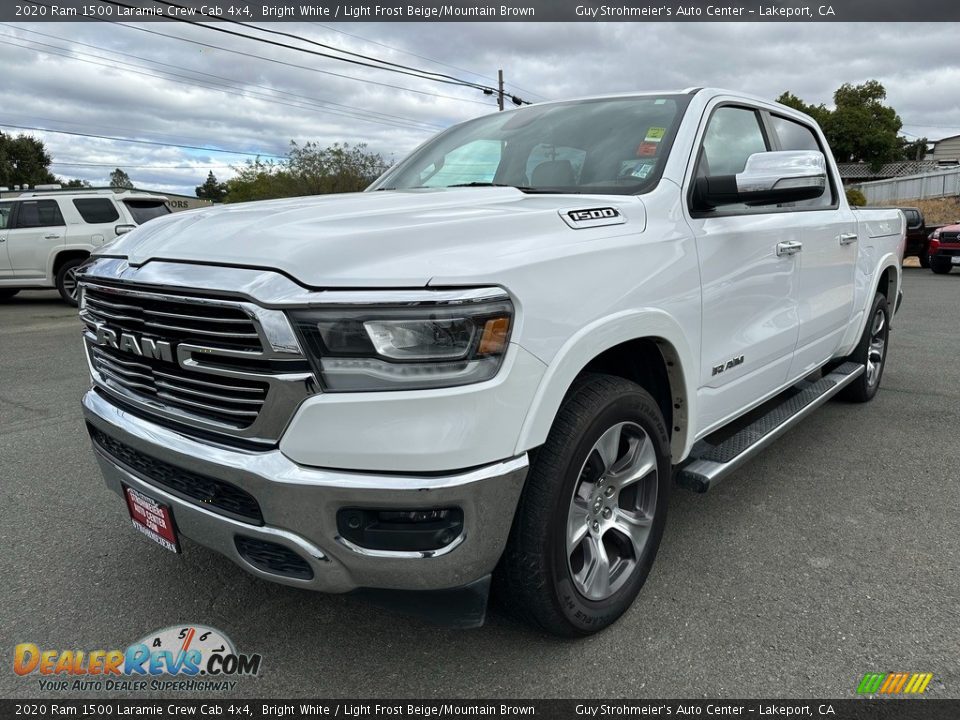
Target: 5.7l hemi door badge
x=578, y=218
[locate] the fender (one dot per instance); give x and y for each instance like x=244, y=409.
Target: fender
x=60, y=250
x=589, y=342
x=871, y=280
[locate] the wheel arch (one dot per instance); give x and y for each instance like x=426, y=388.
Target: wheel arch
x=648, y=347
x=64, y=256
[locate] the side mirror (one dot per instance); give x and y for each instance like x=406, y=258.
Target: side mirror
x=123, y=229
x=769, y=178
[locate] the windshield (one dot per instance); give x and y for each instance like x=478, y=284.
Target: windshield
x=143, y=210
x=614, y=145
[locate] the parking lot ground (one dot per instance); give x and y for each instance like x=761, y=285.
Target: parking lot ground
x=835, y=553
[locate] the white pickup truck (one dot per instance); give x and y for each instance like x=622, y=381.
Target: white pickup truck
x=493, y=364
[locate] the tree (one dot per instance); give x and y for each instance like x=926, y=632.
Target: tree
x=120, y=179
x=23, y=161
x=309, y=169
x=212, y=189
x=74, y=183
x=860, y=127
x=856, y=197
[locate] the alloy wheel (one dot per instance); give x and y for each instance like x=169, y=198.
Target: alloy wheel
x=612, y=510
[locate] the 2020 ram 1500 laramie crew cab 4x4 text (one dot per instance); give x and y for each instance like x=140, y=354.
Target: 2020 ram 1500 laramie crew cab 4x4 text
x=495, y=362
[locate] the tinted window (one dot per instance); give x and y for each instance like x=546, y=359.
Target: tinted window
x=143, y=210
x=96, y=210
x=732, y=136
x=39, y=213
x=796, y=136
x=5, y=209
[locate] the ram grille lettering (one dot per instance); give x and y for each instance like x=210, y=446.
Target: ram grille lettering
x=128, y=342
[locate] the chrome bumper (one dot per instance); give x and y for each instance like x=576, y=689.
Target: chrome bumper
x=299, y=507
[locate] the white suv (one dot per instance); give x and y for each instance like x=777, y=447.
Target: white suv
x=45, y=236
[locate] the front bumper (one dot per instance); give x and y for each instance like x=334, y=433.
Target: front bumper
x=299, y=507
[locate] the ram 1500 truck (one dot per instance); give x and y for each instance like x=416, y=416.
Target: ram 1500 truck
x=492, y=365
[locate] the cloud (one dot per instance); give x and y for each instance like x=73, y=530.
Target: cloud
x=214, y=98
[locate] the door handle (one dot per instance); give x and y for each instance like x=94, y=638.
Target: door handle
x=51, y=237
x=847, y=238
x=788, y=247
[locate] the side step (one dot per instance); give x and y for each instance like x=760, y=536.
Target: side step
x=708, y=464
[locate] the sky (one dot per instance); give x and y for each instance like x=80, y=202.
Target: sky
x=117, y=80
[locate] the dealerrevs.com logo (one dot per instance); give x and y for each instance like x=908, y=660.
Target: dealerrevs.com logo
x=179, y=657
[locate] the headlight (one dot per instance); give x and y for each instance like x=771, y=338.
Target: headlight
x=408, y=346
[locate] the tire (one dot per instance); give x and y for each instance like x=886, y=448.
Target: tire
x=7, y=293
x=941, y=266
x=924, y=259
x=67, y=280
x=547, y=576
x=871, y=352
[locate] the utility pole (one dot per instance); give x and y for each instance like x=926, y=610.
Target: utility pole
x=500, y=89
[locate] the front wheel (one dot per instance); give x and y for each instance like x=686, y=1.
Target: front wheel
x=871, y=352
x=924, y=259
x=589, y=523
x=67, y=281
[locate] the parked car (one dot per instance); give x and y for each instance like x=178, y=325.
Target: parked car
x=46, y=235
x=945, y=249
x=918, y=235
x=497, y=360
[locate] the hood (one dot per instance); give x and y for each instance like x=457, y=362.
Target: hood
x=375, y=239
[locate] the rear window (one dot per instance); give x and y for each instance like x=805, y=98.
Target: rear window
x=96, y=211
x=6, y=208
x=143, y=210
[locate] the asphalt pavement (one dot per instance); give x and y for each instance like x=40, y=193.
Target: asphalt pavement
x=835, y=553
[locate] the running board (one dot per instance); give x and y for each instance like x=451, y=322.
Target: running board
x=708, y=464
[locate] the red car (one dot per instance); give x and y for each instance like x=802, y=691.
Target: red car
x=944, y=248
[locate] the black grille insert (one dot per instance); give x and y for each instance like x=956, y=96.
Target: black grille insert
x=213, y=494
x=273, y=558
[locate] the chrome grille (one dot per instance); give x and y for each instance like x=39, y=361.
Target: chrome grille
x=231, y=401
x=207, y=324
x=205, y=363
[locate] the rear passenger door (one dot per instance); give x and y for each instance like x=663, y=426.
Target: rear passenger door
x=100, y=217
x=827, y=262
x=38, y=230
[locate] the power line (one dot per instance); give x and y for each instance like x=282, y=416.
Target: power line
x=352, y=110
x=139, y=70
x=317, y=43
x=140, y=142
x=121, y=164
x=330, y=73
x=316, y=53
x=424, y=57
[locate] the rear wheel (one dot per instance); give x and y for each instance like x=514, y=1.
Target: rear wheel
x=7, y=293
x=67, y=280
x=589, y=523
x=941, y=266
x=871, y=352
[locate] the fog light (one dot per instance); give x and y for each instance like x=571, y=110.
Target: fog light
x=413, y=530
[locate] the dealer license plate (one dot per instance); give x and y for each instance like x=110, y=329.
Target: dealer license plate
x=152, y=518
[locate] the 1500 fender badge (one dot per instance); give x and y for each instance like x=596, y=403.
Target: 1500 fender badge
x=592, y=217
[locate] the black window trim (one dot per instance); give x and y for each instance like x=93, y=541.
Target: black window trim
x=108, y=200
x=773, y=142
x=15, y=215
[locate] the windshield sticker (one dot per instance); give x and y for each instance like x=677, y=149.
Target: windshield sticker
x=647, y=149
x=655, y=134
x=642, y=170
